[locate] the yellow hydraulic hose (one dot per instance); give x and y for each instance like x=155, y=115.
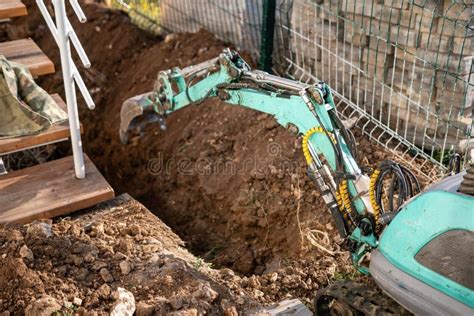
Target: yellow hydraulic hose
x=345, y=197
x=373, y=201
x=306, y=137
x=342, y=194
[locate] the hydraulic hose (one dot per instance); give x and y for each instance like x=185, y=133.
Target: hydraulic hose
x=342, y=192
x=373, y=200
x=306, y=137
x=346, y=133
x=402, y=185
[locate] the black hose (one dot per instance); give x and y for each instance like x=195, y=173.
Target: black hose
x=346, y=133
x=402, y=185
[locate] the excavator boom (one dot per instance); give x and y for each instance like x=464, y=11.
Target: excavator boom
x=305, y=109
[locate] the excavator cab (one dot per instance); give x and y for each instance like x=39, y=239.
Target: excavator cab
x=425, y=256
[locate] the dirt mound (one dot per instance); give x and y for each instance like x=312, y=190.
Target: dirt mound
x=79, y=264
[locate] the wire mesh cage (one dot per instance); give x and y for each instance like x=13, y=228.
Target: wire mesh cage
x=400, y=69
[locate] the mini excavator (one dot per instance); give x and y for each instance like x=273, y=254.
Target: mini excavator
x=417, y=246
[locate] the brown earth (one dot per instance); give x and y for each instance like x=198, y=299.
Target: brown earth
x=229, y=181
x=78, y=264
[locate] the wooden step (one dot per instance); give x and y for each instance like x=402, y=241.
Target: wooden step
x=54, y=134
x=49, y=190
x=11, y=9
x=26, y=52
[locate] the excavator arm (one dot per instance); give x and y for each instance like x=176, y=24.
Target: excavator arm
x=305, y=109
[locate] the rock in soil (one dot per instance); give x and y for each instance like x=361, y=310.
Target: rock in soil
x=26, y=253
x=124, y=304
x=125, y=267
x=144, y=309
x=38, y=230
x=106, y=275
x=43, y=307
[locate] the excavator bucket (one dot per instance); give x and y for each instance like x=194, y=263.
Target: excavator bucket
x=136, y=113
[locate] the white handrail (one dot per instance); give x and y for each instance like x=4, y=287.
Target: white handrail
x=78, y=10
x=63, y=33
x=77, y=45
x=52, y=28
x=82, y=87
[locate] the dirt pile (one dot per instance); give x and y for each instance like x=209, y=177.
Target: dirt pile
x=80, y=264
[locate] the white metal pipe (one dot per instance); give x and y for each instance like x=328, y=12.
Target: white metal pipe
x=49, y=21
x=74, y=98
x=78, y=10
x=74, y=126
x=78, y=46
x=82, y=87
x=52, y=28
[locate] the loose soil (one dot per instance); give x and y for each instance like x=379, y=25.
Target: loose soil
x=78, y=264
x=229, y=181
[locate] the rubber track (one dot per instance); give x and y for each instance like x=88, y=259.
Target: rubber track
x=467, y=184
x=362, y=298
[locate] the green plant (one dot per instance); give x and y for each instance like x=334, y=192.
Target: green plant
x=198, y=263
x=353, y=275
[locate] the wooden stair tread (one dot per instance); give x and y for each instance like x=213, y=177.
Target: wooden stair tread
x=26, y=52
x=11, y=9
x=49, y=190
x=54, y=134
